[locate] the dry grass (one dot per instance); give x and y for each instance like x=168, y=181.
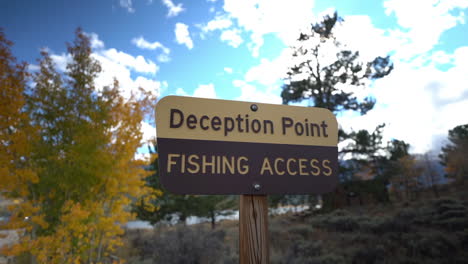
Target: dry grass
x=424, y=231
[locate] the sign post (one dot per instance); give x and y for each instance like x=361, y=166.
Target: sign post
x=209, y=146
x=253, y=229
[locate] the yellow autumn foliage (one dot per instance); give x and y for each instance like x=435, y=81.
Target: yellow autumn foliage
x=71, y=159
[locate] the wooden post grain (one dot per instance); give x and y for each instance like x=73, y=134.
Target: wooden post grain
x=253, y=229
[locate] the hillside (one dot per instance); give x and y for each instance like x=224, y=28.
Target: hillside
x=423, y=231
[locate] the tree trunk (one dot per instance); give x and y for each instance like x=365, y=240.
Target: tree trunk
x=213, y=219
x=33, y=237
x=99, y=249
x=90, y=250
x=435, y=190
x=183, y=218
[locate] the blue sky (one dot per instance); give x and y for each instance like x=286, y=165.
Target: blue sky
x=236, y=49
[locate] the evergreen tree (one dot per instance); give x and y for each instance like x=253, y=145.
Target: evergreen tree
x=169, y=205
x=397, y=149
x=212, y=206
x=326, y=73
x=454, y=155
x=323, y=77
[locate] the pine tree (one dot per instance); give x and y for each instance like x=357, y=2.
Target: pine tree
x=321, y=76
x=168, y=205
x=160, y=205
x=454, y=155
x=327, y=74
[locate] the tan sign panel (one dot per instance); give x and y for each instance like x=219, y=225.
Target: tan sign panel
x=222, y=120
x=211, y=146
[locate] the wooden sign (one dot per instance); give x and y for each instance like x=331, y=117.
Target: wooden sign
x=211, y=146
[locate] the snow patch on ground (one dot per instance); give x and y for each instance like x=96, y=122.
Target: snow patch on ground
x=224, y=215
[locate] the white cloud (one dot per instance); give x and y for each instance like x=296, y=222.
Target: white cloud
x=181, y=92
x=148, y=131
x=232, y=37
x=148, y=135
x=250, y=93
x=164, y=87
x=261, y=17
x=219, y=22
x=148, y=85
x=450, y=85
x=441, y=57
x=33, y=67
x=205, y=91
x=418, y=101
x=428, y=10
x=164, y=57
x=266, y=73
x=142, y=156
x=229, y=34
x=255, y=44
x=183, y=35
x=422, y=32
x=356, y=31
x=138, y=63
x=123, y=73
x=202, y=91
x=127, y=4
x=270, y=72
x=96, y=43
x=173, y=10
x=461, y=57
x=144, y=44
x=228, y=70
x=61, y=61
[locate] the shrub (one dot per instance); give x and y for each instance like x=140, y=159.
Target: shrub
x=303, y=249
x=435, y=245
x=368, y=255
x=302, y=231
x=452, y=224
x=187, y=245
x=410, y=214
x=463, y=237
x=339, y=221
x=454, y=213
x=443, y=205
x=361, y=238
x=325, y=259
x=386, y=224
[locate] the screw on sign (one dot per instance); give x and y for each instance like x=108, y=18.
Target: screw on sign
x=211, y=146
x=257, y=186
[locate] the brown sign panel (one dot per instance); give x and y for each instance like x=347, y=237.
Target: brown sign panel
x=211, y=146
